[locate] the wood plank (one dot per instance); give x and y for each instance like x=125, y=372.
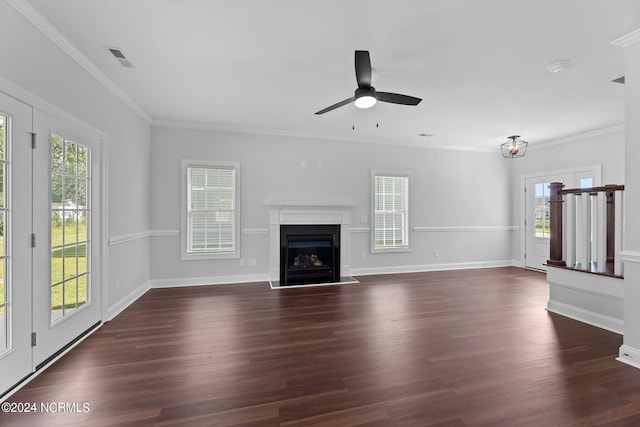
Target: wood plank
x=459, y=348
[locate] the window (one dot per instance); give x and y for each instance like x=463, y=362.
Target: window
x=70, y=226
x=390, y=211
x=542, y=212
x=4, y=210
x=211, y=216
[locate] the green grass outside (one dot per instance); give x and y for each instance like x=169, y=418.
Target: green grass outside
x=63, y=267
x=68, y=262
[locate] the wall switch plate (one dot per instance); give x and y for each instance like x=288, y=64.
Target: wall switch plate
x=251, y=261
x=243, y=261
x=364, y=219
x=363, y=257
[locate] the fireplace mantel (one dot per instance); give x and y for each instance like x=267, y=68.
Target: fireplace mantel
x=292, y=212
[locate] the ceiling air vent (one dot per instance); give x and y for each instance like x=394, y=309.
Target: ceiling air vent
x=117, y=53
x=619, y=80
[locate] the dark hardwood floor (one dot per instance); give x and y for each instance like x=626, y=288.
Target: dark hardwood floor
x=454, y=348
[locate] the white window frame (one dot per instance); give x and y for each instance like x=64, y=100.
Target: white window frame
x=186, y=165
x=385, y=249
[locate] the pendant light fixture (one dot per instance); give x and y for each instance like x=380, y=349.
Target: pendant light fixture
x=514, y=147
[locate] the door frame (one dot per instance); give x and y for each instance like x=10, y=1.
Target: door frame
x=25, y=96
x=595, y=169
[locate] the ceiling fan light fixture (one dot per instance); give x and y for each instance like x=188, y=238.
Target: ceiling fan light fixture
x=365, y=98
x=514, y=147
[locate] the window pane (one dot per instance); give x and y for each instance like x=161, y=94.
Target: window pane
x=391, y=203
x=2, y=248
x=70, y=295
x=83, y=159
x=2, y=181
x=3, y=295
x=70, y=217
x=57, y=263
x=56, y=191
x=3, y=328
x=70, y=157
x=82, y=290
x=56, y=302
x=586, y=183
x=211, y=212
x=57, y=148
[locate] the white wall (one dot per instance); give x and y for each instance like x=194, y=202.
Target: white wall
x=630, y=350
x=32, y=62
x=605, y=150
x=449, y=189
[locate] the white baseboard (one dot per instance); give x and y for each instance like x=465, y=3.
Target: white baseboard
x=629, y=355
x=210, y=280
x=429, y=267
x=129, y=299
x=586, y=316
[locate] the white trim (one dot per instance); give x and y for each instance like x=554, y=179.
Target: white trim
x=628, y=39
x=254, y=231
x=124, y=238
x=26, y=97
x=127, y=300
x=429, y=267
x=360, y=230
x=279, y=205
x=587, y=316
x=34, y=374
x=630, y=256
x=629, y=355
x=210, y=280
x=164, y=233
x=184, y=253
x=385, y=173
x=117, y=240
x=51, y=32
x=467, y=228
x=585, y=135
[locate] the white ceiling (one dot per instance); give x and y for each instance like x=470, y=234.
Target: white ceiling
x=268, y=66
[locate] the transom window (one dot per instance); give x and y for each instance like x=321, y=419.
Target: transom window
x=390, y=211
x=212, y=210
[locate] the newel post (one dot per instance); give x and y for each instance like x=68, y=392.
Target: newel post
x=555, y=210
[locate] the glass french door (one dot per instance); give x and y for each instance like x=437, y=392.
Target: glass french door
x=537, y=221
x=15, y=242
x=66, y=292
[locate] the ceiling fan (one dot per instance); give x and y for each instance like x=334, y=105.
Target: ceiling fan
x=366, y=95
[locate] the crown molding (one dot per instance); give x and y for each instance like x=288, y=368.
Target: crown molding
x=177, y=124
x=38, y=21
x=628, y=39
x=577, y=137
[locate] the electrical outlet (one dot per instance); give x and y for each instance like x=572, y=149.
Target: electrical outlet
x=363, y=257
x=436, y=253
x=116, y=284
x=243, y=261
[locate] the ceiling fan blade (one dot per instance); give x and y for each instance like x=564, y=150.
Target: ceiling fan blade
x=396, y=98
x=363, y=68
x=334, y=106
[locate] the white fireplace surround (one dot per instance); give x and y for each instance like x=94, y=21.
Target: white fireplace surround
x=308, y=213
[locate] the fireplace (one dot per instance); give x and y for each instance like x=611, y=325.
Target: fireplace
x=309, y=254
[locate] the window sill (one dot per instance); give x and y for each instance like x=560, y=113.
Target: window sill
x=210, y=256
x=390, y=250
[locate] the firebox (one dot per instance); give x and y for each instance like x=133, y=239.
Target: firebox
x=309, y=254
